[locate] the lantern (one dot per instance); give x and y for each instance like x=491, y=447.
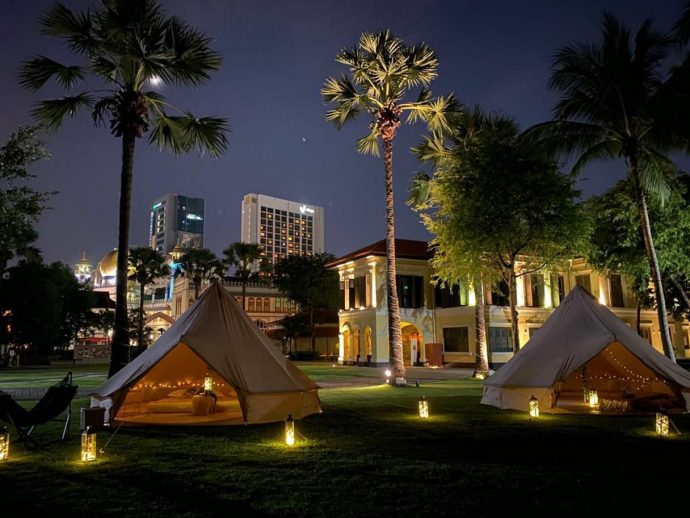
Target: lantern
x=290, y=431
x=88, y=445
x=208, y=383
x=593, y=399
x=661, y=424
x=423, y=405
x=4, y=443
x=533, y=407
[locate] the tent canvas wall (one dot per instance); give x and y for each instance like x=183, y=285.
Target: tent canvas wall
x=252, y=381
x=584, y=345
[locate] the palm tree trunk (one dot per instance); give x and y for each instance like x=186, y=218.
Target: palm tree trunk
x=140, y=331
x=512, y=301
x=244, y=294
x=638, y=323
x=394, y=333
x=481, y=361
x=653, y=262
x=120, y=343
x=313, y=331
x=679, y=287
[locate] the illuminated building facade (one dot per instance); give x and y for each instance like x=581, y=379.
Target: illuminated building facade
x=177, y=220
x=282, y=227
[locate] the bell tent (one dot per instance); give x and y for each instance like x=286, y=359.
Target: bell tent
x=583, y=347
x=213, y=366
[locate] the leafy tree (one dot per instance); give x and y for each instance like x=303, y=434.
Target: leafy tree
x=310, y=283
x=128, y=45
x=244, y=257
x=499, y=210
x=615, y=104
x=295, y=326
x=145, y=266
x=200, y=265
x=20, y=206
x=382, y=70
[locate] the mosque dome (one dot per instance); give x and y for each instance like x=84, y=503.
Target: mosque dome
x=108, y=265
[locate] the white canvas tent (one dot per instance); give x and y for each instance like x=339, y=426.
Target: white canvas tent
x=252, y=381
x=584, y=345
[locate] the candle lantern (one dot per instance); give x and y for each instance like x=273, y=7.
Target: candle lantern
x=4, y=443
x=290, y=431
x=88, y=445
x=661, y=424
x=533, y=407
x=593, y=398
x=208, y=382
x=423, y=405
x=388, y=374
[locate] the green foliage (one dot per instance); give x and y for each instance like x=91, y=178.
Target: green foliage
x=307, y=281
x=243, y=257
x=20, y=206
x=200, y=265
x=146, y=265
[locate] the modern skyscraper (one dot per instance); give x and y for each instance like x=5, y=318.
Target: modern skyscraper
x=282, y=227
x=177, y=219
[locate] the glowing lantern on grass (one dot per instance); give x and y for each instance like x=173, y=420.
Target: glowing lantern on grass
x=388, y=375
x=208, y=382
x=593, y=398
x=4, y=443
x=533, y=407
x=423, y=405
x=290, y=431
x=661, y=424
x=88, y=445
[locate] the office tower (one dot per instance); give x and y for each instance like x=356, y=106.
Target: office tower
x=282, y=227
x=177, y=219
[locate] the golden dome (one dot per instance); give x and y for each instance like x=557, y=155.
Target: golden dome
x=108, y=265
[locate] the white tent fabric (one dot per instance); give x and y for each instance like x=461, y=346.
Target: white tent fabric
x=213, y=336
x=581, y=333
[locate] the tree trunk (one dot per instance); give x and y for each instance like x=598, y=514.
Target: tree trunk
x=313, y=331
x=197, y=288
x=140, y=330
x=120, y=343
x=679, y=287
x=512, y=300
x=653, y=262
x=394, y=332
x=638, y=324
x=481, y=361
x=244, y=294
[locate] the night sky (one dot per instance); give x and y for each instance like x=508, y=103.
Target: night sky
x=277, y=55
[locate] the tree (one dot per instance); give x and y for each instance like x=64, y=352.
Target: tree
x=615, y=104
x=20, y=206
x=382, y=70
x=310, y=283
x=145, y=266
x=244, y=257
x=200, y=265
x=128, y=45
x=500, y=209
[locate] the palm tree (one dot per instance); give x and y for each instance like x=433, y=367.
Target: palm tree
x=244, y=257
x=382, y=70
x=613, y=106
x=145, y=266
x=128, y=45
x=199, y=265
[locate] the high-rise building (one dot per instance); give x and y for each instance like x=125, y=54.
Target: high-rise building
x=282, y=227
x=177, y=219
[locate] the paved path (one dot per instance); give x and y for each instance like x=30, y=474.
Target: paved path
x=377, y=377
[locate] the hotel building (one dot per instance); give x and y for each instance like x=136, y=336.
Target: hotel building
x=177, y=219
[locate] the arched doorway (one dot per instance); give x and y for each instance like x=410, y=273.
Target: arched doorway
x=356, y=350
x=412, y=342
x=345, y=337
x=368, y=348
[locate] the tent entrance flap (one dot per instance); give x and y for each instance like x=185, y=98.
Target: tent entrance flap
x=172, y=392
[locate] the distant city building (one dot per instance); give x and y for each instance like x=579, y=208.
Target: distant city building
x=82, y=270
x=282, y=227
x=177, y=219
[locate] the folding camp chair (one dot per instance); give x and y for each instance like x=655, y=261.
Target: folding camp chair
x=56, y=400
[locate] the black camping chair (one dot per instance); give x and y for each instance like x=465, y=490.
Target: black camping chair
x=56, y=400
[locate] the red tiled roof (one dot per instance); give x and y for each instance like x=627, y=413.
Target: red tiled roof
x=404, y=249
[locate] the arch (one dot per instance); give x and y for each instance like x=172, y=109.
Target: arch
x=413, y=343
x=345, y=341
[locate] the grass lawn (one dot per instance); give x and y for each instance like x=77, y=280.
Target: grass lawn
x=366, y=455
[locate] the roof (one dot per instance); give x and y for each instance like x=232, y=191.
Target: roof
x=404, y=249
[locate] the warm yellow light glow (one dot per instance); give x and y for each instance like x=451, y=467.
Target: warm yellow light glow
x=388, y=373
x=423, y=408
x=88, y=445
x=593, y=398
x=602, y=295
x=661, y=424
x=533, y=407
x=290, y=431
x=4, y=444
x=208, y=382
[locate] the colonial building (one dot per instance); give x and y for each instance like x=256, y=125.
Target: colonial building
x=433, y=315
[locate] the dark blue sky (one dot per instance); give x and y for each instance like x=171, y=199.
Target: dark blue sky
x=276, y=57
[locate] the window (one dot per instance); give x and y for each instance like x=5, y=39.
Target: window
x=617, y=300
x=557, y=289
x=447, y=296
x=532, y=330
x=534, y=289
x=279, y=304
x=250, y=305
x=500, y=340
x=499, y=294
x=686, y=337
x=584, y=281
x=456, y=340
x=267, y=304
x=646, y=333
x=410, y=291
x=360, y=291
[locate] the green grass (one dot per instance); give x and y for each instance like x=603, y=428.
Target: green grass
x=366, y=455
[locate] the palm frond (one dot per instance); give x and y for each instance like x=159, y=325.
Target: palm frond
x=565, y=138
x=656, y=171
x=77, y=29
x=36, y=72
x=182, y=134
x=52, y=112
x=437, y=113
x=106, y=68
x=603, y=150
x=431, y=149
x=369, y=145
x=420, y=187
x=682, y=27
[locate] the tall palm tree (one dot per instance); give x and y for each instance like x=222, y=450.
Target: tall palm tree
x=128, y=45
x=244, y=257
x=613, y=106
x=382, y=70
x=200, y=265
x=145, y=266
